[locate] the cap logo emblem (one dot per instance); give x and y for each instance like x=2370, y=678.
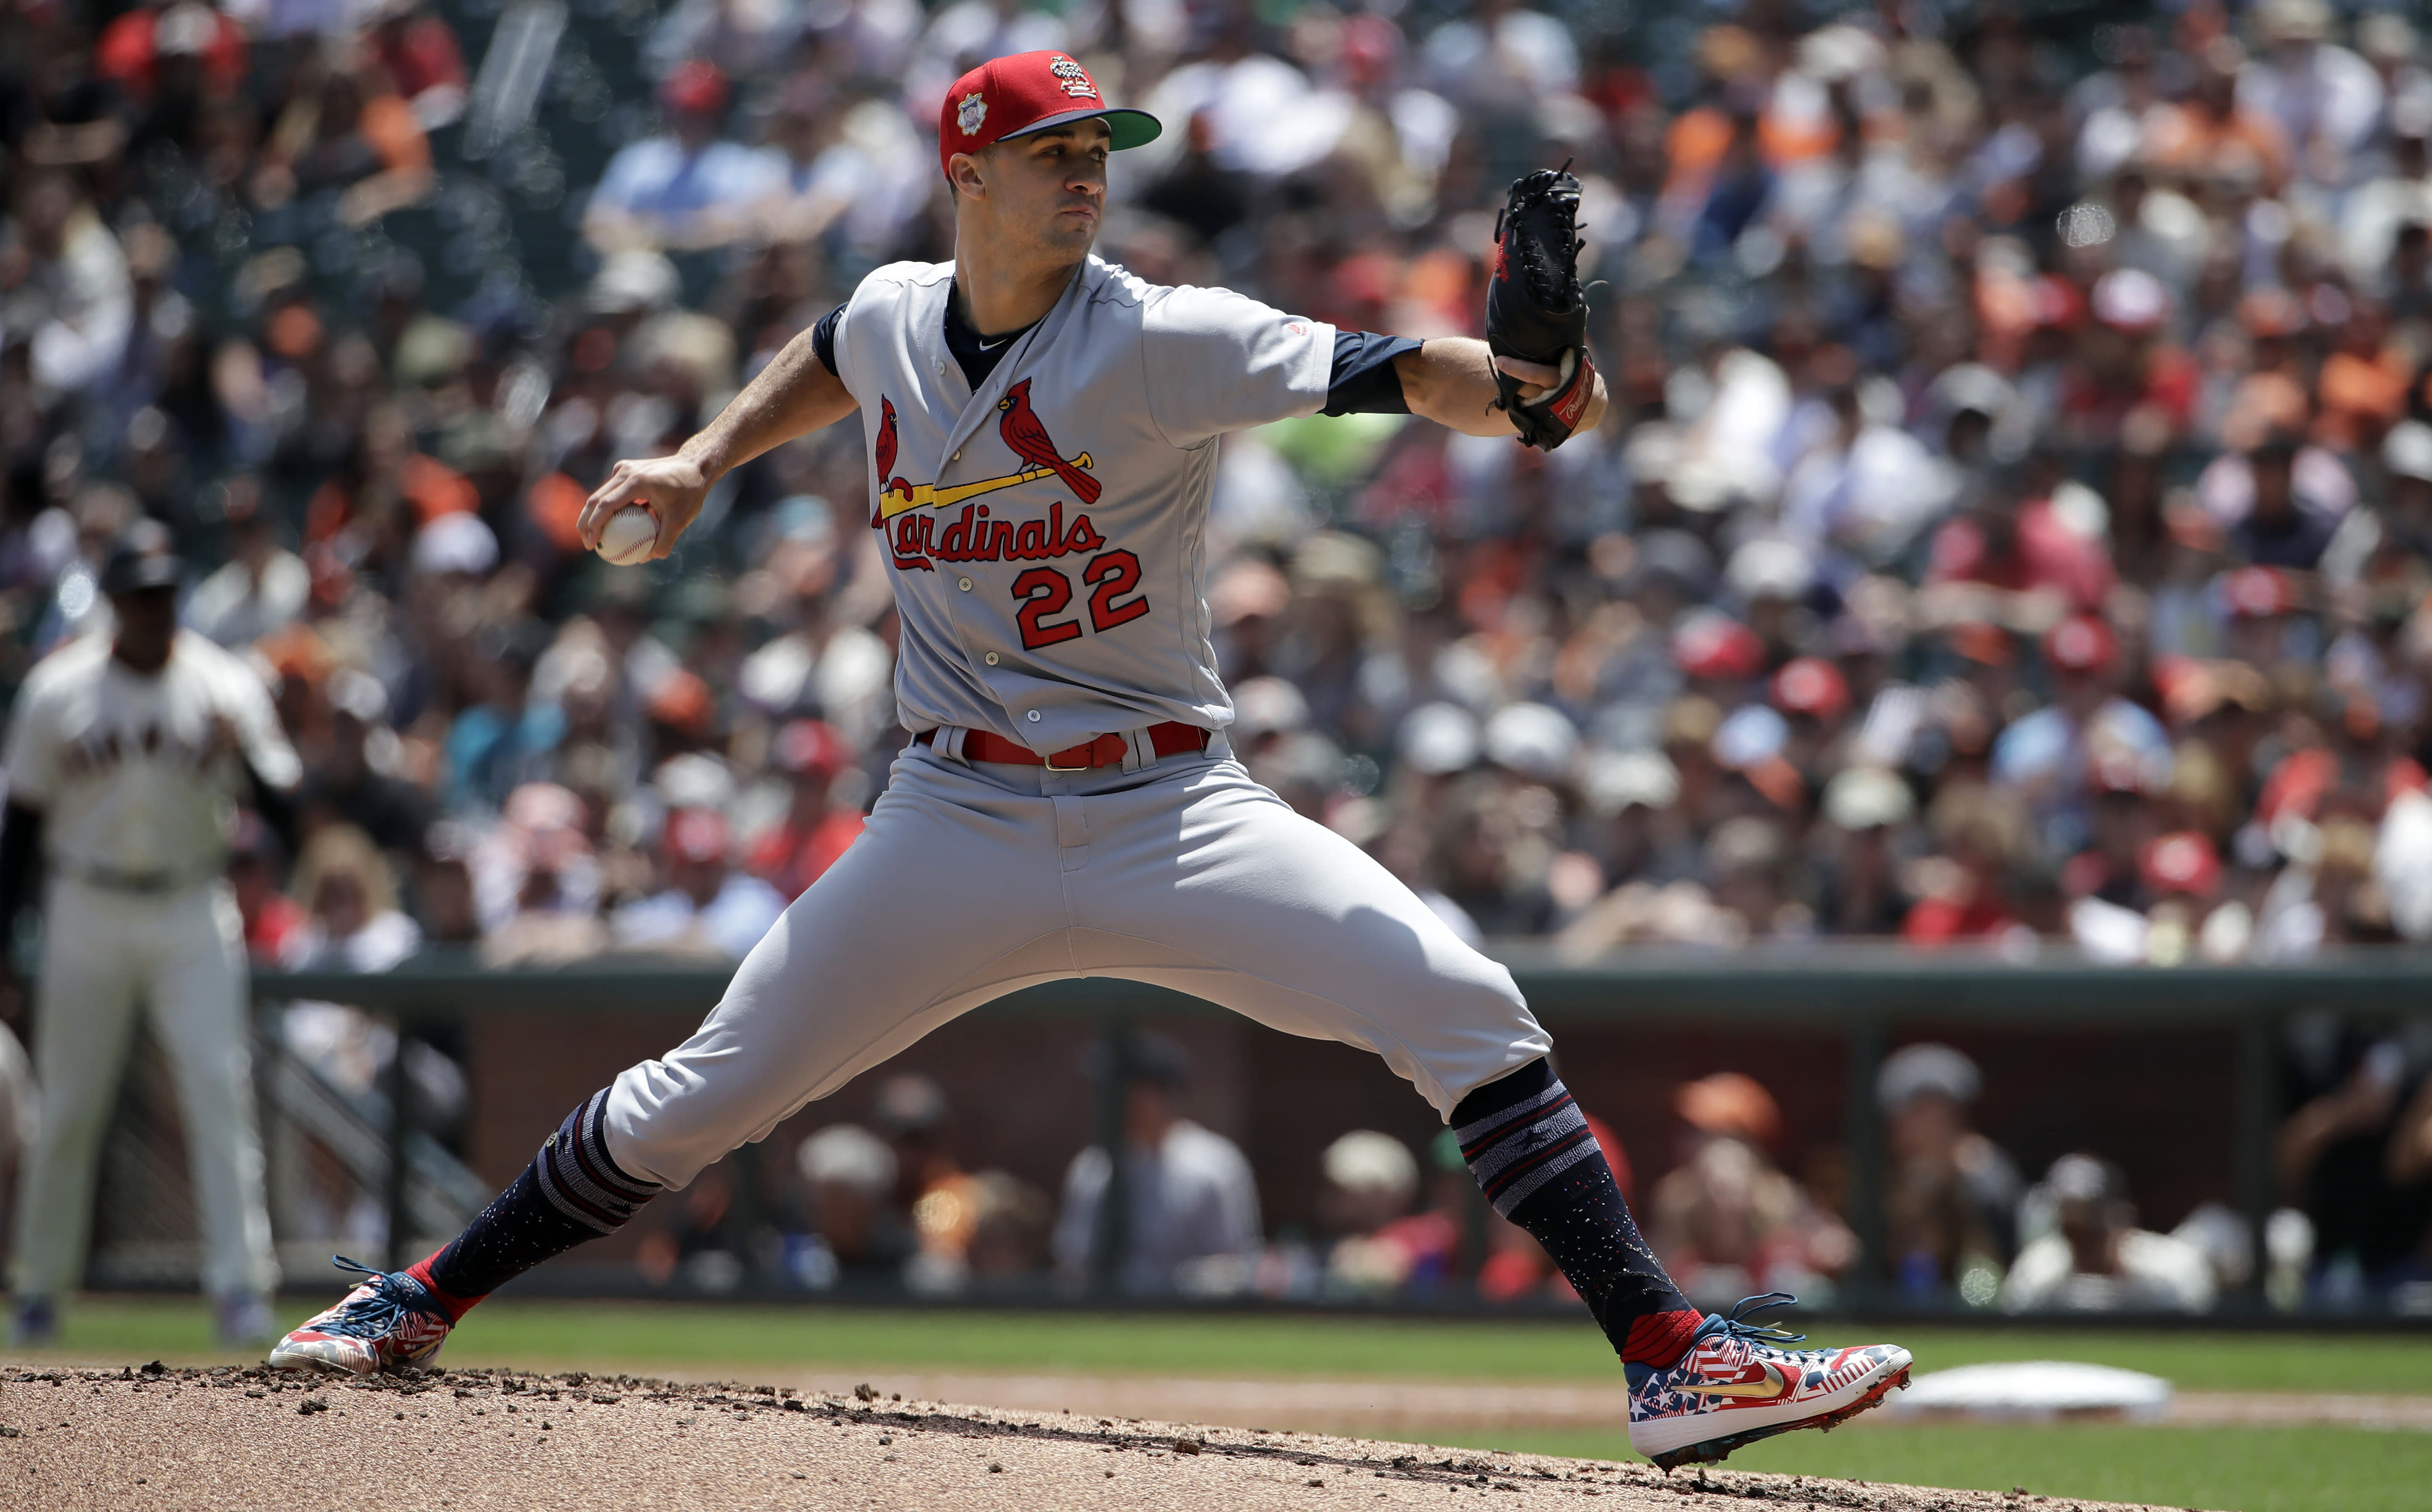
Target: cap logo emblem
x=971, y=112
x=1076, y=79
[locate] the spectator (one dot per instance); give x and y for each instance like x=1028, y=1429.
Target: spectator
x=347, y=138
x=814, y=830
x=1868, y=810
x=2276, y=531
x=850, y=169
x=354, y=924
x=443, y=895
x=963, y=1224
x=2356, y=1157
x=2090, y=1256
x=1370, y=1180
x=508, y=738
x=272, y=919
x=701, y=1243
x=689, y=188
x=1726, y=1220
x=1965, y=893
x=851, y=1173
x=707, y=905
x=1188, y=1195
x=65, y=291
x=356, y=782
x=1950, y=1205
x=418, y=52
x=535, y=879
x=265, y=587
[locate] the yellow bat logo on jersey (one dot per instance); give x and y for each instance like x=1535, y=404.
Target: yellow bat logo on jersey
x=902, y=498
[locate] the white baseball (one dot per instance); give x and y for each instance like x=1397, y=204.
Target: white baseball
x=627, y=536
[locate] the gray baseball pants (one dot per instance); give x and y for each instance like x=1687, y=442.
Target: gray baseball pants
x=973, y=880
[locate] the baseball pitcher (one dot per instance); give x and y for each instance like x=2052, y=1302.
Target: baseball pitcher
x=126, y=755
x=1042, y=430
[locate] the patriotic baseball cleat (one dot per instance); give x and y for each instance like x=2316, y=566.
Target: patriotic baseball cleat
x=388, y=1322
x=1735, y=1387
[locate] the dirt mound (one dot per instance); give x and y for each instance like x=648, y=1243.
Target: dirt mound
x=134, y=1439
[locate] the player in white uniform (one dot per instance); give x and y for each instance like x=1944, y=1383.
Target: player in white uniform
x=1043, y=431
x=126, y=755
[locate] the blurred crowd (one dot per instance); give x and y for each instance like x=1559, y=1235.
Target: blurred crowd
x=2011, y=526
x=890, y=1203
x=2014, y=524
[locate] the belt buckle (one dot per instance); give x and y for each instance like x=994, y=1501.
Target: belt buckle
x=1093, y=754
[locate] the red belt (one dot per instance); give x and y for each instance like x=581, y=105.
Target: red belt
x=1171, y=738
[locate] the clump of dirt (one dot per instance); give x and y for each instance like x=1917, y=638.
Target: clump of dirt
x=158, y=1438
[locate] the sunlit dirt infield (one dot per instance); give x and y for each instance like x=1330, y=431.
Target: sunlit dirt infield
x=141, y=1437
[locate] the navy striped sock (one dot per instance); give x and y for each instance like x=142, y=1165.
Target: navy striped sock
x=572, y=1191
x=1537, y=1161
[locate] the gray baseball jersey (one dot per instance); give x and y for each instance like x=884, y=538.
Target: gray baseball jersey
x=1047, y=530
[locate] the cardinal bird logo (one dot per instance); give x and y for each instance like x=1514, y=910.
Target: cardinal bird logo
x=1026, y=434
x=1022, y=432
x=883, y=451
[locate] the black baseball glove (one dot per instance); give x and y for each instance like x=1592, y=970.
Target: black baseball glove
x=1535, y=310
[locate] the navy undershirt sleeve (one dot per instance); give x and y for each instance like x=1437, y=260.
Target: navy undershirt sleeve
x=1364, y=381
x=824, y=339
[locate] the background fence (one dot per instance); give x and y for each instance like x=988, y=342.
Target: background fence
x=2173, y=1072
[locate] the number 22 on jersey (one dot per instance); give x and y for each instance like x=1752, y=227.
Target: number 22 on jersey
x=1046, y=592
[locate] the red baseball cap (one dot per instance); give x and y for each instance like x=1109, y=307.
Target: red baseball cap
x=1711, y=644
x=1813, y=686
x=2261, y=592
x=2080, y=644
x=1026, y=93
x=698, y=835
x=696, y=88
x=2181, y=863
x=811, y=745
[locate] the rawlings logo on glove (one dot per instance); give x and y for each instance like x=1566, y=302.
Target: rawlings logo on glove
x=1535, y=310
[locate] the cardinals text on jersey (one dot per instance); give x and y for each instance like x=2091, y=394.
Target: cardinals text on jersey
x=915, y=541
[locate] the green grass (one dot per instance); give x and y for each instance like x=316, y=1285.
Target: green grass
x=2271, y=1470
x=2292, y=1469
x=672, y=1339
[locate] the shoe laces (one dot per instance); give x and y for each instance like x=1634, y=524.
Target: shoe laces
x=1739, y=1326
x=369, y=1317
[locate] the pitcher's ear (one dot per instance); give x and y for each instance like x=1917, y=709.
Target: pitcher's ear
x=963, y=174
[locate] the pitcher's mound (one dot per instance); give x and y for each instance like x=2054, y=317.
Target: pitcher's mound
x=140, y=1438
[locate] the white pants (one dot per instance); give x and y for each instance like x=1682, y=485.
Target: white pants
x=973, y=881
x=181, y=954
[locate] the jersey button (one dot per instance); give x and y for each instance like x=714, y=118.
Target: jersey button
x=1034, y=716
x=958, y=456
x=965, y=585
x=991, y=659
